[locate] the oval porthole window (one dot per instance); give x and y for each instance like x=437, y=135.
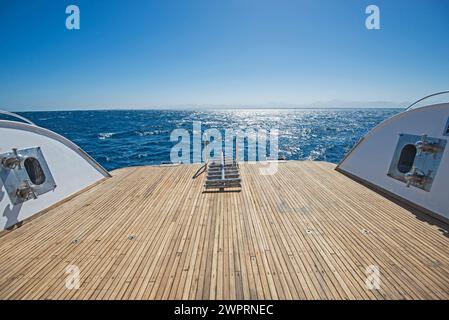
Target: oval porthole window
x=407, y=158
x=35, y=171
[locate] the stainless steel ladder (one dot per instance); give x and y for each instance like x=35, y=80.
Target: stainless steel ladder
x=223, y=174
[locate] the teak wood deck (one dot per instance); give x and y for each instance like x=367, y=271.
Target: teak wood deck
x=306, y=232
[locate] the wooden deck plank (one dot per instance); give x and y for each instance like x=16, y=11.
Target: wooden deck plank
x=306, y=232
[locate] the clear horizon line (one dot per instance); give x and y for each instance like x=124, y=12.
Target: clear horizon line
x=329, y=104
x=198, y=108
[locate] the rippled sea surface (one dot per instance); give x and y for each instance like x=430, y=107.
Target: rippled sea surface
x=122, y=138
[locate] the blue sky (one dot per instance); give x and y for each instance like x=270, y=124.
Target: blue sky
x=146, y=54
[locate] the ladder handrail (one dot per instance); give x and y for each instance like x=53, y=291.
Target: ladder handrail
x=205, y=150
x=236, y=148
x=222, y=165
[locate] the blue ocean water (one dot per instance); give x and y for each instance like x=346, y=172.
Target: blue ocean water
x=122, y=138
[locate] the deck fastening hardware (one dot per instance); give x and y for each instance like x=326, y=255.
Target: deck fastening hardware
x=309, y=231
x=76, y=241
x=131, y=237
x=365, y=231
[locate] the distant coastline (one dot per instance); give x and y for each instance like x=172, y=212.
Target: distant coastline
x=214, y=108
